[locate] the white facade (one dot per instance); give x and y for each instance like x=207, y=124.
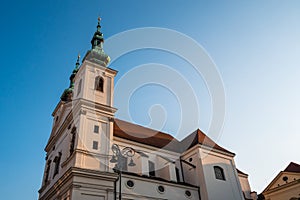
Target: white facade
x=79, y=149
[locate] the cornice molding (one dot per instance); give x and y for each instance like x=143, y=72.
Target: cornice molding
x=282, y=187
x=75, y=172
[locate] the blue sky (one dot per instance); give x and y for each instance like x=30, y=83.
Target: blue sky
x=255, y=45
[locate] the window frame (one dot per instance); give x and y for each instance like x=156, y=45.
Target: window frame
x=95, y=145
x=151, y=167
x=96, y=129
x=79, y=87
x=99, y=83
x=219, y=173
x=47, y=171
x=57, y=160
x=73, y=140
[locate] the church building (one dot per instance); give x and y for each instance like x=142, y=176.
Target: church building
x=286, y=185
x=91, y=155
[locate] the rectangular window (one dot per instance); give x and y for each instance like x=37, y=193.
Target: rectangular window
x=79, y=87
x=219, y=173
x=57, y=164
x=95, y=145
x=177, y=174
x=151, y=168
x=96, y=129
x=47, y=171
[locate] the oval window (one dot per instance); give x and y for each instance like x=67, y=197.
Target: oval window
x=188, y=193
x=130, y=183
x=161, y=189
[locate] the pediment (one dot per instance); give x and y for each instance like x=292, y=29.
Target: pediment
x=282, y=178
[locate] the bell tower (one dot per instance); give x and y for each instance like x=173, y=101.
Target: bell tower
x=82, y=130
x=93, y=101
x=95, y=81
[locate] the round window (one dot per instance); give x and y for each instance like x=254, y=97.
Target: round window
x=130, y=183
x=188, y=193
x=190, y=159
x=161, y=189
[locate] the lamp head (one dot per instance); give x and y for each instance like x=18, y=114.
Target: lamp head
x=131, y=163
x=113, y=159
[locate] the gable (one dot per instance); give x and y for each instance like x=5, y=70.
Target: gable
x=59, y=117
x=279, y=180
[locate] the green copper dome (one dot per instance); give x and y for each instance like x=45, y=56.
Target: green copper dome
x=97, y=54
x=68, y=93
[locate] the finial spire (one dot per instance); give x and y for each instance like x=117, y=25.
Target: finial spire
x=68, y=93
x=78, y=58
x=99, y=26
x=97, y=54
x=77, y=62
x=98, y=37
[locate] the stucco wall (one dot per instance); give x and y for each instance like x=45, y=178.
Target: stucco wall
x=229, y=188
x=245, y=186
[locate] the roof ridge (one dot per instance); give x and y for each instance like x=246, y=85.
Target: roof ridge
x=144, y=127
x=207, y=141
x=194, y=138
x=292, y=167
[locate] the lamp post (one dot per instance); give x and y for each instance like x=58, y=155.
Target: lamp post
x=120, y=158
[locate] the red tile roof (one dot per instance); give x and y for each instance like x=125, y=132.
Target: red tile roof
x=293, y=167
x=140, y=134
x=198, y=137
x=145, y=135
x=240, y=172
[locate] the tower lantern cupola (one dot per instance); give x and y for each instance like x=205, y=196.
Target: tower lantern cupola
x=74, y=72
x=97, y=40
x=97, y=54
x=68, y=93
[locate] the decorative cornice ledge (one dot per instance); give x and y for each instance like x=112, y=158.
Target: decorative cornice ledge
x=276, y=189
x=79, y=172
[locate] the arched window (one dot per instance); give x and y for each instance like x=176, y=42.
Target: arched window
x=99, y=83
x=219, y=173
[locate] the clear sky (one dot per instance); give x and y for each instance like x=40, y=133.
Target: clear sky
x=254, y=44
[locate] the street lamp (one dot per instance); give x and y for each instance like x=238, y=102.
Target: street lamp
x=120, y=158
